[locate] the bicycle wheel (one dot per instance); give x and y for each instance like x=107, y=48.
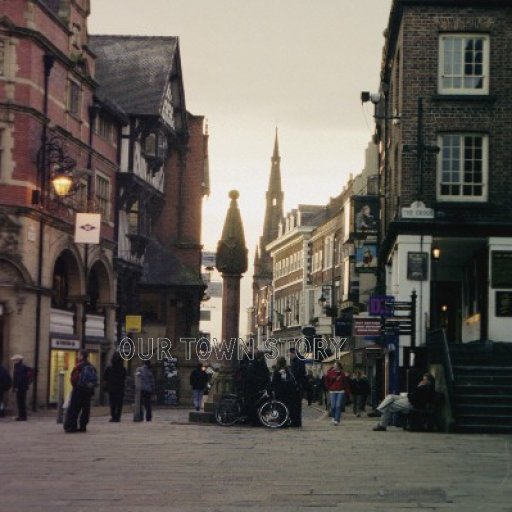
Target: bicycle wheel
x=273, y=414
x=227, y=411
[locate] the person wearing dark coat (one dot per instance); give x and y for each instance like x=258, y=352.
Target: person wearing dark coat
x=256, y=378
x=285, y=387
x=114, y=378
x=77, y=415
x=20, y=384
x=198, y=381
x=298, y=369
x=360, y=390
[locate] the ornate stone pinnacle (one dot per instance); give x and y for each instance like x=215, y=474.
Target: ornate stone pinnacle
x=231, y=249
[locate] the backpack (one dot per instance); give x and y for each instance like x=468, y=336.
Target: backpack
x=88, y=378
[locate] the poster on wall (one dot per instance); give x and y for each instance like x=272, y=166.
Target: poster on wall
x=366, y=258
x=501, y=269
x=417, y=266
x=171, y=381
x=504, y=303
x=366, y=215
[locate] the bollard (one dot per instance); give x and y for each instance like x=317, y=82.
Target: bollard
x=137, y=412
x=60, y=397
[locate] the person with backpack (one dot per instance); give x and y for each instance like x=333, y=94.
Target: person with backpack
x=114, y=377
x=147, y=388
x=21, y=379
x=5, y=385
x=83, y=379
x=198, y=381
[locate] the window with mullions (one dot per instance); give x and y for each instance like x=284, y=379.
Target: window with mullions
x=74, y=98
x=462, y=167
x=103, y=197
x=2, y=57
x=464, y=64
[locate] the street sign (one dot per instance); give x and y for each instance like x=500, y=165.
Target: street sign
x=366, y=326
x=381, y=305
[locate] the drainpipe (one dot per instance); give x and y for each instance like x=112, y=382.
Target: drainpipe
x=48, y=61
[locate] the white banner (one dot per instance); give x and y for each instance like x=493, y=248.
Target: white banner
x=87, y=228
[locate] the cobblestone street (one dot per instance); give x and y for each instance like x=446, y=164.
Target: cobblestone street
x=170, y=465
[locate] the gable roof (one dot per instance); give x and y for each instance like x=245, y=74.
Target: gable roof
x=134, y=70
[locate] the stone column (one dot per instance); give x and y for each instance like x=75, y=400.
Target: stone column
x=231, y=262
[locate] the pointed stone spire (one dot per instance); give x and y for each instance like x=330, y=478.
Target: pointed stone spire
x=273, y=211
x=274, y=183
x=231, y=249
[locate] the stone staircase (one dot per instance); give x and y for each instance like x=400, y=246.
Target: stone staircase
x=482, y=387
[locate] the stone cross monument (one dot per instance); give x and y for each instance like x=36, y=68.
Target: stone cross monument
x=231, y=262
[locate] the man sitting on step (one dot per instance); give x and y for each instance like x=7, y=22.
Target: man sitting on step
x=404, y=403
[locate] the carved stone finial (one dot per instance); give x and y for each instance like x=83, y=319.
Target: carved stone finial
x=231, y=250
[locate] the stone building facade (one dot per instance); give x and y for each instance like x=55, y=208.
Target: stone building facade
x=56, y=295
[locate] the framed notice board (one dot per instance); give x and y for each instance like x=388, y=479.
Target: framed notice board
x=504, y=303
x=417, y=266
x=501, y=269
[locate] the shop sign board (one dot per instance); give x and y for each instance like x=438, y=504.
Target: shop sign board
x=133, y=323
x=418, y=210
x=366, y=326
x=87, y=228
x=65, y=344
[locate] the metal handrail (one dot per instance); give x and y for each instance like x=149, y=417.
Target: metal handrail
x=437, y=340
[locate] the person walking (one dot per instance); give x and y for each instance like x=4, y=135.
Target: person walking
x=360, y=389
x=298, y=369
x=338, y=385
x=84, y=379
x=147, y=388
x=285, y=387
x=310, y=386
x=5, y=385
x=198, y=381
x=115, y=377
x=21, y=377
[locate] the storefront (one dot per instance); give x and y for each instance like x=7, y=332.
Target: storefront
x=63, y=358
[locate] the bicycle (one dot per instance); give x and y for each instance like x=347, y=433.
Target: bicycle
x=271, y=413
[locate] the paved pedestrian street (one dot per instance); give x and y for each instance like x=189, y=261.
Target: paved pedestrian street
x=171, y=465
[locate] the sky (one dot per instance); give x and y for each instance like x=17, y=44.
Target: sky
x=251, y=66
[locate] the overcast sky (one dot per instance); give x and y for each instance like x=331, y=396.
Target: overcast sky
x=250, y=66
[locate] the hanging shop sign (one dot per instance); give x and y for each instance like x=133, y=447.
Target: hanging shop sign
x=87, y=228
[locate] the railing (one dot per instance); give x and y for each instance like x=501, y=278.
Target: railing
x=438, y=352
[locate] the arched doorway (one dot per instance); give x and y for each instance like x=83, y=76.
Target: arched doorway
x=67, y=291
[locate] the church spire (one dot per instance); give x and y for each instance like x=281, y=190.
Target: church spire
x=274, y=184
x=273, y=210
